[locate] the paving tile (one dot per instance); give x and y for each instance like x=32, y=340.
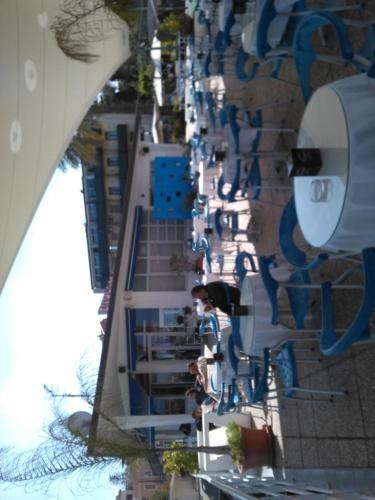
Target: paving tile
x=289, y=418
x=370, y=443
x=353, y=453
x=306, y=418
x=328, y=453
x=309, y=449
x=292, y=452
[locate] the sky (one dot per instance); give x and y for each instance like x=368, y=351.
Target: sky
x=48, y=321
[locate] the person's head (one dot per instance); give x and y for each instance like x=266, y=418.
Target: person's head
x=193, y=368
x=191, y=393
x=196, y=413
x=199, y=292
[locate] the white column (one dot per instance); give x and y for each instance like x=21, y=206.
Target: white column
x=140, y=421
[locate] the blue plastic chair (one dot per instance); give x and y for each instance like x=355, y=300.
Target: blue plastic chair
x=286, y=365
x=292, y=254
x=230, y=22
x=298, y=293
x=304, y=53
x=214, y=323
x=222, y=403
x=330, y=343
x=248, y=75
x=256, y=386
x=240, y=268
x=223, y=117
x=205, y=246
x=234, y=229
x=289, y=249
x=235, y=185
x=219, y=43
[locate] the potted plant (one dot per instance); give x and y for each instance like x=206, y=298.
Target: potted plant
x=250, y=447
x=179, y=263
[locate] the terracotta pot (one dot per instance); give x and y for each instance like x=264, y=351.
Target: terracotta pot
x=257, y=447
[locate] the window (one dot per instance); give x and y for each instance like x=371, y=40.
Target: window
x=149, y=486
x=113, y=161
x=114, y=190
x=166, y=283
x=111, y=135
x=159, y=240
x=92, y=211
x=166, y=249
x=115, y=208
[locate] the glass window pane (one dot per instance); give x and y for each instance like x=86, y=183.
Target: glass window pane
x=165, y=283
x=141, y=266
x=171, y=233
x=144, y=216
x=170, y=316
x=180, y=233
x=140, y=283
x=160, y=265
x=153, y=233
x=143, y=233
x=166, y=249
x=142, y=249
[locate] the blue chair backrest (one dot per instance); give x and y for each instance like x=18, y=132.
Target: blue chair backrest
x=206, y=67
x=231, y=353
x=240, y=268
x=254, y=179
x=330, y=343
x=217, y=221
x=268, y=13
x=303, y=51
x=240, y=67
x=299, y=298
x=205, y=245
x=234, y=127
x=231, y=194
x=219, y=43
x=214, y=323
x=220, y=408
x=289, y=249
x=230, y=22
x=257, y=386
x=287, y=367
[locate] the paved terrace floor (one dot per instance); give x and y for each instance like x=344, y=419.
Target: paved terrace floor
x=311, y=433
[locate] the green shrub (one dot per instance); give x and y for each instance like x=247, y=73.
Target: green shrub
x=179, y=461
x=234, y=441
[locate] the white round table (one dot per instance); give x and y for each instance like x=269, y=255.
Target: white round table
x=339, y=120
x=256, y=330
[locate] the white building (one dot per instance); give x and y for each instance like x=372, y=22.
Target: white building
x=142, y=377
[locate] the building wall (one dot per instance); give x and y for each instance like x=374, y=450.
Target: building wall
x=141, y=483
x=161, y=369
x=103, y=186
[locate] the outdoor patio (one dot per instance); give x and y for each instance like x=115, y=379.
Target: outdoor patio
x=311, y=433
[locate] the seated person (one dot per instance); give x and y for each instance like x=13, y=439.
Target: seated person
x=200, y=396
x=199, y=369
x=221, y=295
x=197, y=416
